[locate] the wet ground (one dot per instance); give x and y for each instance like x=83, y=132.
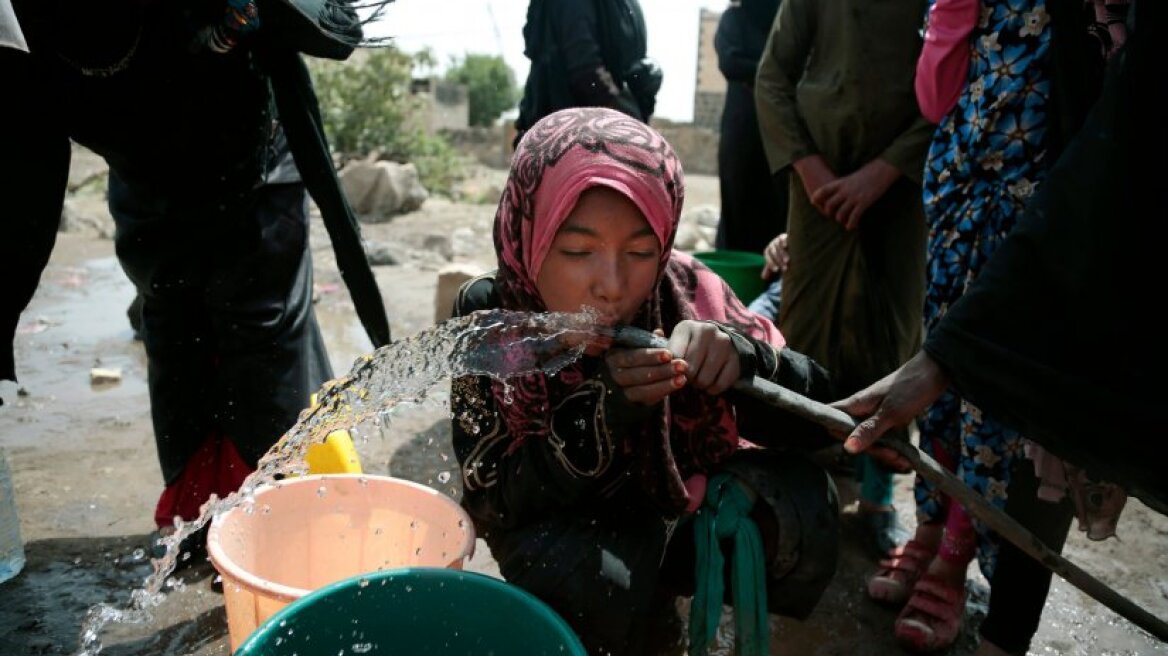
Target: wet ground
x=86, y=476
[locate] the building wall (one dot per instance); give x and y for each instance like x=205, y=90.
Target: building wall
x=710, y=87
x=446, y=105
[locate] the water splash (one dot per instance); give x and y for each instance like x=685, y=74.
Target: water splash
x=497, y=343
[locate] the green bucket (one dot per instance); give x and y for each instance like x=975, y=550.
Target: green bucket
x=415, y=610
x=742, y=270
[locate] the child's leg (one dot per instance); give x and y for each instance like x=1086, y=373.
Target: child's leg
x=940, y=438
x=877, y=512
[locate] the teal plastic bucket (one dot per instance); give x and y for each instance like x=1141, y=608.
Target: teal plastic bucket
x=415, y=610
x=742, y=270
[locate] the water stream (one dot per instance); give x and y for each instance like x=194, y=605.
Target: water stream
x=500, y=344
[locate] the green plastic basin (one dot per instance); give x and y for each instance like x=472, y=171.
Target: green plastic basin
x=740, y=269
x=415, y=610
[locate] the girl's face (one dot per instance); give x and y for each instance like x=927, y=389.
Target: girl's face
x=603, y=257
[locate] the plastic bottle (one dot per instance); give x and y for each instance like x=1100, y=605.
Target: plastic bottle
x=11, y=546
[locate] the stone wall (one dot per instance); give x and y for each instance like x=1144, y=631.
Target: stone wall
x=697, y=146
x=488, y=146
x=708, y=109
x=446, y=104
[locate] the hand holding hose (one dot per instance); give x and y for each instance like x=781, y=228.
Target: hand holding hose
x=893, y=401
x=697, y=354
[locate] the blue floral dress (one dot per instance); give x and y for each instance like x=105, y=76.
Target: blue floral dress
x=986, y=159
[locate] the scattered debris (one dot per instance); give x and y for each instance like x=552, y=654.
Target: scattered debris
x=103, y=376
x=40, y=324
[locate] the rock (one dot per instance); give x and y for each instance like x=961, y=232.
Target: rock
x=703, y=215
x=479, y=190
x=380, y=254
x=464, y=242
x=708, y=234
x=85, y=166
x=689, y=235
x=450, y=278
x=439, y=244
x=87, y=214
x=381, y=190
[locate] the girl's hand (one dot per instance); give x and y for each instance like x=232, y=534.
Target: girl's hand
x=710, y=354
x=646, y=375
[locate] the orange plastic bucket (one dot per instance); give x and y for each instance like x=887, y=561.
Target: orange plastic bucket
x=301, y=534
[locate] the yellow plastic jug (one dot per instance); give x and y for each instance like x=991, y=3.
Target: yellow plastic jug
x=335, y=455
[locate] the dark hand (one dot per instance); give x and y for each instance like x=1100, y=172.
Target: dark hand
x=893, y=401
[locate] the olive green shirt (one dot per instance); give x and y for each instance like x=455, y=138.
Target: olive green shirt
x=836, y=78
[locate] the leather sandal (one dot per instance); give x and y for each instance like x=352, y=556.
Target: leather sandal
x=931, y=619
x=893, y=582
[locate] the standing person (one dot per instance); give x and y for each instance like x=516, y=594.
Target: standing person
x=754, y=204
x=836, y=105
x=585, y=483
x=1018, y=345
x=586, y=53
x=180, y=98
x=989, y=154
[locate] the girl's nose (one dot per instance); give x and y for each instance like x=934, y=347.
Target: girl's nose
x=608, y=281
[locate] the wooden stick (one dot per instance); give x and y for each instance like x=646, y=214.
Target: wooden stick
x=974, y=503
x=930, y=470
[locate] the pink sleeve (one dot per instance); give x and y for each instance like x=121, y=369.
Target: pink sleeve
x=943, y=65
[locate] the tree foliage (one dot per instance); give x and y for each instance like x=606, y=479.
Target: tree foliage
x=367, y=108
x=490, y=84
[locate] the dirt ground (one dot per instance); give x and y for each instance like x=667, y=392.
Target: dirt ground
x=87, y=478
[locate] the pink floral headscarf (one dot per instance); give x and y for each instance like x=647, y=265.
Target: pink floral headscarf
x=562, y=155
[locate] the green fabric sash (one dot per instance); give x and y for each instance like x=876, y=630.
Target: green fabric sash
x=725, y=514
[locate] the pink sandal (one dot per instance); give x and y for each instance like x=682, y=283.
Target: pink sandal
x=893, y=582
x=932, y=617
